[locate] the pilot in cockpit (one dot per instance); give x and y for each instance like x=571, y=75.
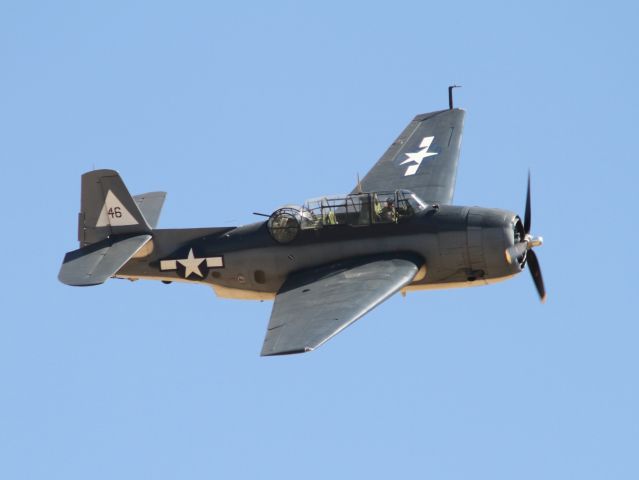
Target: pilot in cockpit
x=388, y=213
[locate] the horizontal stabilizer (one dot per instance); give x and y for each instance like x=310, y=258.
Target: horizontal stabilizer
x=150, y=204
x=98, y=262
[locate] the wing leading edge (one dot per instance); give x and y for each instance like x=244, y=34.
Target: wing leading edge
x=313, y=306
x=423, y=158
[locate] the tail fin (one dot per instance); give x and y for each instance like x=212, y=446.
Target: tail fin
x=107, y=208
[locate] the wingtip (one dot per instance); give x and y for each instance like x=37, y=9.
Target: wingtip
x=277, y=353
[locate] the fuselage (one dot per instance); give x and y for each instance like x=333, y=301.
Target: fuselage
x=459, y=247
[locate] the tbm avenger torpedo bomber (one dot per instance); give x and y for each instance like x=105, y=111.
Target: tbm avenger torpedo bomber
x=329, y=261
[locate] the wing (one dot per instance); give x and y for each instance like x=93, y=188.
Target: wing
x=423, y=158
x=313, y=306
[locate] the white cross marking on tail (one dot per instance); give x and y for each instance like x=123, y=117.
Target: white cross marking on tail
x=417, y=157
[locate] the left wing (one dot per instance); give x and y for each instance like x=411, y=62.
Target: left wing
x=423, y=158
x=314, y=305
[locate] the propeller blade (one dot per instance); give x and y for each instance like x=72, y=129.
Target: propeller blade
x=516, y=251
x=535, y=271
x=527, y=219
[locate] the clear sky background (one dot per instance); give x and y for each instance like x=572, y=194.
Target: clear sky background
x=235, y=107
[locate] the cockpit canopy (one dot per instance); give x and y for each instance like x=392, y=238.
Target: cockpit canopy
x=357, y=209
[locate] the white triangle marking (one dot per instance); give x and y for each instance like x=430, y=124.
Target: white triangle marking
x=114, y=214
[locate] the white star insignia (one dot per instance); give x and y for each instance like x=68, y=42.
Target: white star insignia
x=191, y=265
x=417, y=157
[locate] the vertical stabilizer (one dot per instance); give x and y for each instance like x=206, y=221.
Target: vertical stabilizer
x=107, y=208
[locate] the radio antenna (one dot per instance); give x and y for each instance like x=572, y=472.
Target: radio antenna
x=450, y=95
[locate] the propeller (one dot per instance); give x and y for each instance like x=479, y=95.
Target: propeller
x=525, y=247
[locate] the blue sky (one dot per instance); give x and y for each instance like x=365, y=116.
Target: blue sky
x=234, y=108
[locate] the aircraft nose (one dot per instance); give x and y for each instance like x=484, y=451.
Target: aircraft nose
x=490, y=233
x=513, y=232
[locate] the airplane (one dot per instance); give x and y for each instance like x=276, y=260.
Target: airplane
x=329, y=261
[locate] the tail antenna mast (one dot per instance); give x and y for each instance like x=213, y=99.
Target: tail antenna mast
x=450, y=95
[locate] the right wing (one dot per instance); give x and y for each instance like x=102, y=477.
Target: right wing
x=422, y=159
x=314, y=305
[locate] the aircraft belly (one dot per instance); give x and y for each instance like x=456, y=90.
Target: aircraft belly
x=240, y=294
x=415, y=287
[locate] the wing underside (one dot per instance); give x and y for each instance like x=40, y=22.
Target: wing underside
x=423, y=158
x=313, y=306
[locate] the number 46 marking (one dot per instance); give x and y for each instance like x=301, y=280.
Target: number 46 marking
x=114, y=212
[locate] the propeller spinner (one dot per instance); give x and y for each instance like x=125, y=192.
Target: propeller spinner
x=525, y=248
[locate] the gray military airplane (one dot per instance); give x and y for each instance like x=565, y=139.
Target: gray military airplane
x=329, y=261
